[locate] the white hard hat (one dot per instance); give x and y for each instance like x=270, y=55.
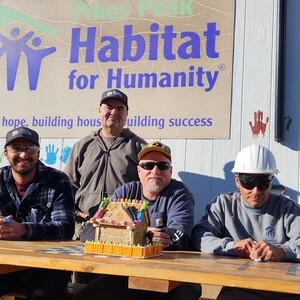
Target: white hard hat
x=255, y=159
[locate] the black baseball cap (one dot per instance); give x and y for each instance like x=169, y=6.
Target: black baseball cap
x=22, y=132
x=114, y=94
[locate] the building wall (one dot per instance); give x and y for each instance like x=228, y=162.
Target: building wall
x=205, y=165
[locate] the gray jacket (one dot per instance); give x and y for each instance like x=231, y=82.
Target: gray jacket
x=96, y=171
x=228, y=220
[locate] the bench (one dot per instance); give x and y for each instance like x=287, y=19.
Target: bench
x=70, y=290
x=209, y=292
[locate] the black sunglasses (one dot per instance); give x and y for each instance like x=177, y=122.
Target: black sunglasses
x=250, y=182
x=162, y=165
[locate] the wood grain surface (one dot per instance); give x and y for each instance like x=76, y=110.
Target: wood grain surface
x=173, y=266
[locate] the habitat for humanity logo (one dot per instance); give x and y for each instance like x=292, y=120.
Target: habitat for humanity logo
x=16, y=44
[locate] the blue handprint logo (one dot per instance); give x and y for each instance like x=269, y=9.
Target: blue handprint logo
x=51, y=154
x=65, y=154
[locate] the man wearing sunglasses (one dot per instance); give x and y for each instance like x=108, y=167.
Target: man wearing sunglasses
x=171, y=210
x=252, y=222
x=36, y=203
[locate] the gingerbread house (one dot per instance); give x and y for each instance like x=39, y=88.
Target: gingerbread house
x=121, y=228
x=120, y=224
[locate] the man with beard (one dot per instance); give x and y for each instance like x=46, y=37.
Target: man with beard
x=171, y=210
x=36, y=203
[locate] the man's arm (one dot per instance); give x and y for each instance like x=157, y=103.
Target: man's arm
x=291, y=246
x=208, y=233
x=180, y=218
x=179, y=239
x=58, y=223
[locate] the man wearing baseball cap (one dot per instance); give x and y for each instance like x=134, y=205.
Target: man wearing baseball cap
x=171, y=210
x=103, y=160
x=36, y=203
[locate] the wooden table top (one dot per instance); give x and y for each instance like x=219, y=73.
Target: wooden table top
x=173, y=266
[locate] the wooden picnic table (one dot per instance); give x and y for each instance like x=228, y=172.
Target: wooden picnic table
x=160, y=273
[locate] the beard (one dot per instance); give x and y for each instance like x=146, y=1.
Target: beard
x=23, y=171
x=154, y=187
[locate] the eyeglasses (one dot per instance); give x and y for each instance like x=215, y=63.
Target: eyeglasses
x=250, y=182
x=162, y=165
x=19, y=148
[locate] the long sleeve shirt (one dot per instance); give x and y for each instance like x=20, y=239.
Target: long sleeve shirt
x=47, y=207
x=227, y=220
x=174, y=208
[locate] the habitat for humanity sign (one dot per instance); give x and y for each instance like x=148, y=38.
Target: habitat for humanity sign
x=173, y=58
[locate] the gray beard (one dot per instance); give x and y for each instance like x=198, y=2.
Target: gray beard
x=153, y=188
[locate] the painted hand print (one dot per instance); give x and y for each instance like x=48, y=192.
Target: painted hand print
x=259, y=126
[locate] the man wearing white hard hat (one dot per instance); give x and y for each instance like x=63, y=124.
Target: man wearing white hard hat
x=251, y=222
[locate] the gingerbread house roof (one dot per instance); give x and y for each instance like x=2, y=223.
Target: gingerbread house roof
x=122, y=214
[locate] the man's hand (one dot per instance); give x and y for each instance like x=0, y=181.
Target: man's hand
x=80, y=216
x=10, y=229
x=243, y=248
x=160, y=236
x=265, y=251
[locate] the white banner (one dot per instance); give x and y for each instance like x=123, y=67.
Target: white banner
x=172, y=58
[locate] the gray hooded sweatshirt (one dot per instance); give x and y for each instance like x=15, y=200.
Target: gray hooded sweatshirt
x=96, y=171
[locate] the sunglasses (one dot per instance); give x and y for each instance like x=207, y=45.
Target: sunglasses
x=250, y=182
x=161, y=165
x=19, y=148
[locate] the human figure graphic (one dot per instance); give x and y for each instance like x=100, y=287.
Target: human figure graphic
x=259, y=125
x=13, y=49
x=34, y=61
